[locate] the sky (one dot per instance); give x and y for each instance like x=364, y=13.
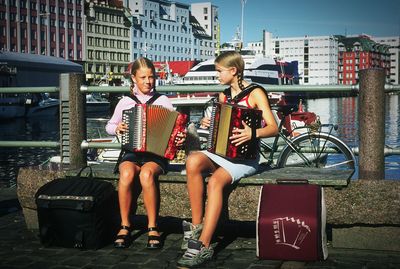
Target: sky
x=288, y=18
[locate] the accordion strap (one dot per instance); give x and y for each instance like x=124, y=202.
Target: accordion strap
x=242, y=94
x=149, y=102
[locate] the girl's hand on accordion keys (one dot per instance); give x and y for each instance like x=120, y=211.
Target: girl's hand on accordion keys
x=239, y=136
x=121, y=128
x=205, y=123
x=180, y=139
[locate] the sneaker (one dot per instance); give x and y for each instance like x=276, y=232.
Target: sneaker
x=190, y=231
x=196, y=254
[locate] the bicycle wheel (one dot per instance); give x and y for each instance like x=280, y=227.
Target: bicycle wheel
x=319, y=150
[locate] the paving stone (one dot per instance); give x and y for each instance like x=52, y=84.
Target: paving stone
x=96, y=266
x=235, y=249
x=41, y=265
x=126, y=266
x=78, y=261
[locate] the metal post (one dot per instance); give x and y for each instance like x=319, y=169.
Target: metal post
x=371, y=113
x=72, y=121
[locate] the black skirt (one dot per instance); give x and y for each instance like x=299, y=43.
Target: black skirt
x=140, y=158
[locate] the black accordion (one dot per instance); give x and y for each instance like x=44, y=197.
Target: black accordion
x=152, y=129
x=224, y=119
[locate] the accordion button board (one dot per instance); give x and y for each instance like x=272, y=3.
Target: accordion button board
x=152, y=129
x=225, y=118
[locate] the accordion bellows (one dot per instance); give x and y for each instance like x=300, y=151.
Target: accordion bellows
x=224, y=119
x=152, y=129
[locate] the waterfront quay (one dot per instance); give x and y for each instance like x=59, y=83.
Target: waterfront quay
x=362, y=215
x=235, y=246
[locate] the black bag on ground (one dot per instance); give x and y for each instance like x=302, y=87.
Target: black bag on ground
x=77, y=212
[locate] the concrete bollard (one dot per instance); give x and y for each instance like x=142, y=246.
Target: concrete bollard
x=371, y=129
x=72, y=121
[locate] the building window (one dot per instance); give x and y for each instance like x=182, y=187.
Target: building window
x=62, y=38
x=33, y=5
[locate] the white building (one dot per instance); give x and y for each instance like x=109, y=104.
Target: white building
x=317, y=56
x=394, y=43
x=318, y=61
x=162, y=31
x=207, y=16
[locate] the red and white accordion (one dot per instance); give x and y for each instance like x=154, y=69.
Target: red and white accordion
x=152, y=129
x=224, y=119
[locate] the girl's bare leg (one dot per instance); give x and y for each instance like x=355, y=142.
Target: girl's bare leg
x=148, y=174
x=215, y=191
x=128, y=173
x=196, y=164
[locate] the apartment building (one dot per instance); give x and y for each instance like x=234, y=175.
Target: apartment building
x=360, y=52
x=317, y=56
x=333, y=59
x=206, y=15
x=166, y=31
x=394, y=50
x=45, y=27
x=107, y=41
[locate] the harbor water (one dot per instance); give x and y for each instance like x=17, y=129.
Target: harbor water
x=340, y=111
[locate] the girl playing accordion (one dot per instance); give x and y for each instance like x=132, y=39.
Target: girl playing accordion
x=140, y=166
x=224, y=171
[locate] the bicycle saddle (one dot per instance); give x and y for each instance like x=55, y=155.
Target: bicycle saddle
x=285, y=109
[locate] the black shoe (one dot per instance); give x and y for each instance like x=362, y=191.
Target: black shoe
x=153, y=238
x=123, y=240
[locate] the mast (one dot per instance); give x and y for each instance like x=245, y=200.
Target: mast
x=241, y=28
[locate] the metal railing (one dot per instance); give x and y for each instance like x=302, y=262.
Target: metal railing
x=71, y=92
x=200, y=88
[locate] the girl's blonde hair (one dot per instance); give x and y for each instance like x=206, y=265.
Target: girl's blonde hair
x=232, y=59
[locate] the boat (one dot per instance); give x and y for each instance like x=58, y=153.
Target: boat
x=27, y=105
x=261, y=70
x=41, y=104
x=201, y=74
x=97, y=104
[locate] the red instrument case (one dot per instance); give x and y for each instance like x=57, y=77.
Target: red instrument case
x=291, y=222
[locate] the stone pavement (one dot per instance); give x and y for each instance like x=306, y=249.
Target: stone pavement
x=235, y=248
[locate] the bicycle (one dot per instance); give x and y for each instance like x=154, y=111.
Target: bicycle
x=315, y=147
